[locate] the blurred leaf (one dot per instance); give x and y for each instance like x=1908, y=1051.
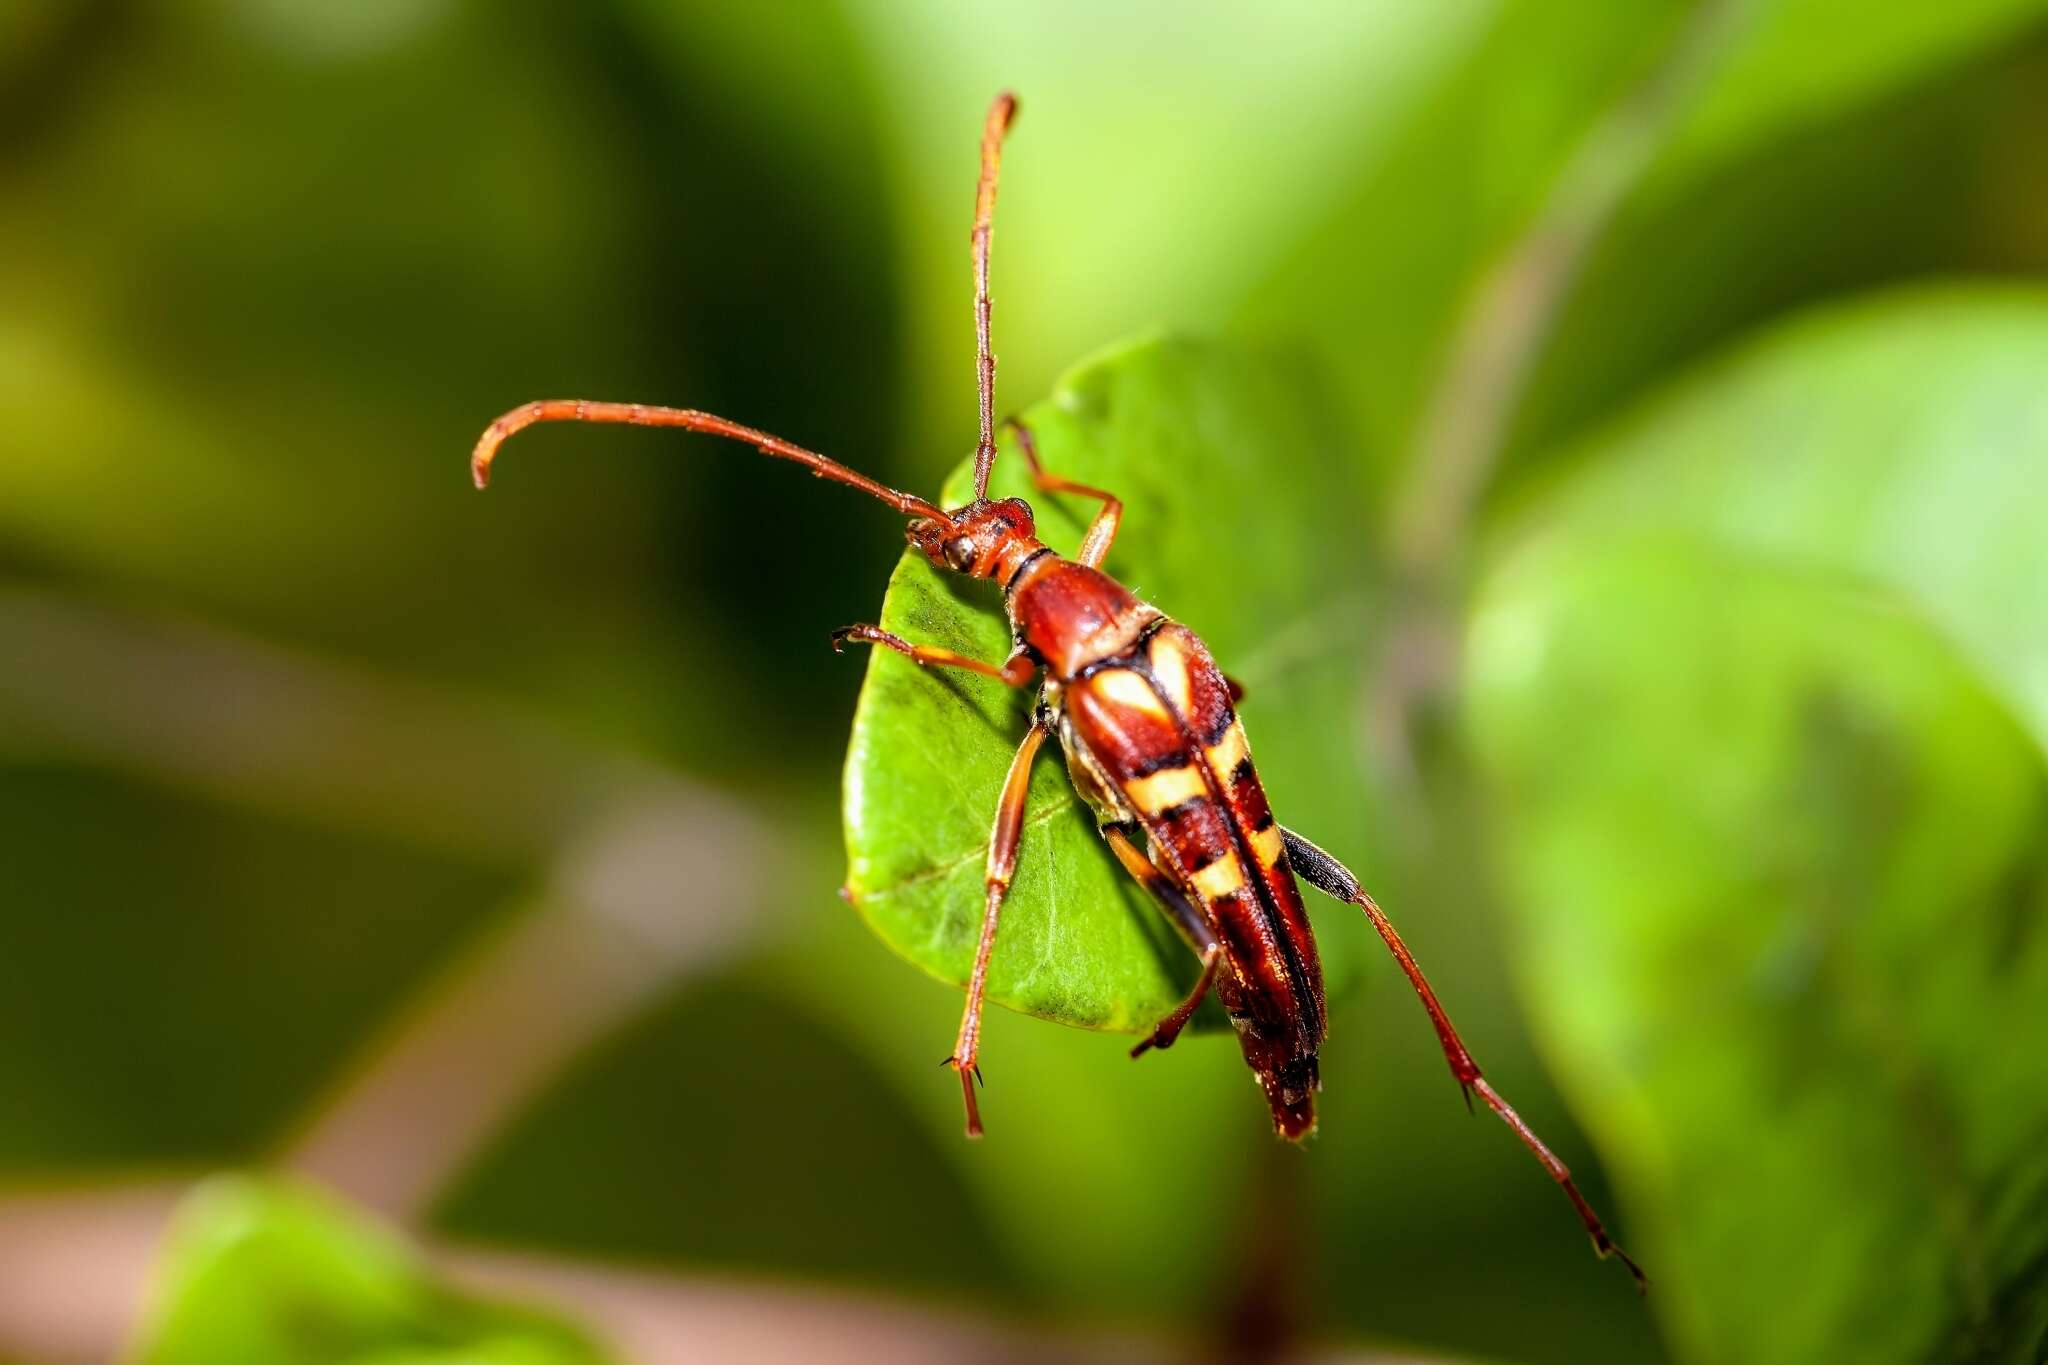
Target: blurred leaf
x=1381, y=278
x=1378, y=277
x=278, y=1273
x=1746, y=687
x=1213, y=452
x=1902, y=438
x=1937, y=178
x=1780, y=875
x=1799, y=61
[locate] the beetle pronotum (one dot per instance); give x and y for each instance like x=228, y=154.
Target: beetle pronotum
x=1152, y=741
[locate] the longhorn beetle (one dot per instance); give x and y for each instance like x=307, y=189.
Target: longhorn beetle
x=1152, y=741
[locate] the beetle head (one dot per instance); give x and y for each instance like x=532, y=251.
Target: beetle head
x=972, y=538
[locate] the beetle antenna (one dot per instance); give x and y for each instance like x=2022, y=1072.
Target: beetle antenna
x=999, y=115
x=642, y=415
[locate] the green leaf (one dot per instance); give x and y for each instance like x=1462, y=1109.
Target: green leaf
x=1378, y=276
x=266, y=1271
x=1233, y=524
x=1382, y=274
x=1703, y=256
x=1901, y=438
x=1754, y=690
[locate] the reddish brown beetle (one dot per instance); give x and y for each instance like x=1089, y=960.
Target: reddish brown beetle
x=1152, y=740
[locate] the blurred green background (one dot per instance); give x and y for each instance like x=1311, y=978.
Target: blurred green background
x=1687, y=369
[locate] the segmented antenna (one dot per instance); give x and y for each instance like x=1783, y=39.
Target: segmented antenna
x=645, y=415
x=999, y=115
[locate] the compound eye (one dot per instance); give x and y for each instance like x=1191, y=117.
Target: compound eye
x=960, y=553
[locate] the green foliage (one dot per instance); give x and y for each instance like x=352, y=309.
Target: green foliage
x=1755, y=686
x=1187, y=435
x=264, y=1271
x=1795, y=62
x=1899, y=438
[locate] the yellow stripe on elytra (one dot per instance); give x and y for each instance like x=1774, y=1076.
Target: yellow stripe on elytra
x=1221, y=878
x=1169, y=661
x=1226, y=753
x=1122, y=687
x=1163, y=791
x=1267, y=845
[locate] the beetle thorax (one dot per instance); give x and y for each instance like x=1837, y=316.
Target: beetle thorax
x=1071, y=616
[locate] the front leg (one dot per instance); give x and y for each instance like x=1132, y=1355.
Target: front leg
x=1014, y=671
x=1095, y=545
x=1331, y=877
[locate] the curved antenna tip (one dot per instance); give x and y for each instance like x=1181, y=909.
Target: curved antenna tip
x=689, y=419
x=1006, y=101
x=486, y=449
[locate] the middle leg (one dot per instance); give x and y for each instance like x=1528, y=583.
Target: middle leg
x=1002, y=863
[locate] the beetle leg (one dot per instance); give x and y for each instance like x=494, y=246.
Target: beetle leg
x=1331, y=877
x=1014, y=671
x=1168, y=1029
x=1002, y=862
x=1094, y=545
x=1187, y=917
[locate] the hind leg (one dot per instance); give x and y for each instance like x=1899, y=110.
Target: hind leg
x=1187, y=917
x=1331, y=877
